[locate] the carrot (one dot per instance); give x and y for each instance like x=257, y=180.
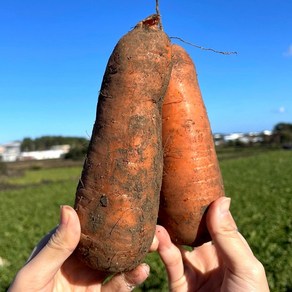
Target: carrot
x=117, y=198
x=191, y=177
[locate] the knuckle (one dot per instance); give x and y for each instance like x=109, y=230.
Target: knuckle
x=257, y=269
x=178, y=284
x=129, y=282
x=229, y=230
x=57, y=242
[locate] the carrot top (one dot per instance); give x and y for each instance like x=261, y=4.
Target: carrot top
x=152, y=21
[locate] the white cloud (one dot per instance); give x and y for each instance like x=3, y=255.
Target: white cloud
x=281, y=109
x=288, y=53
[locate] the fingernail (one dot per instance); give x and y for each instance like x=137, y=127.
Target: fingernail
x=154, y=245
x=225, y=205
x=146, y=269
x=64, y=216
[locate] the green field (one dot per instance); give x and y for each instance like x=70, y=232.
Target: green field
x=260, y=185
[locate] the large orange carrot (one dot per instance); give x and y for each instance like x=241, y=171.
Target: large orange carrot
x=191, y=178
x=118, y=195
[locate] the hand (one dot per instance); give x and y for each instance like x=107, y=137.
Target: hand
x=52, y=267
x=226, y=264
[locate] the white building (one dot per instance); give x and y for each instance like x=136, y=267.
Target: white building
x=55, y=152
x=10, y=151
x=233, y=136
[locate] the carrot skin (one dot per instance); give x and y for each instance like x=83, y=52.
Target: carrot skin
x=117, y=198
x=191, y=176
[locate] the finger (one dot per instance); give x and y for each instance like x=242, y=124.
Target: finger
x=171, y=257
x=127, y=281
x=231, y=245
x=47, y=261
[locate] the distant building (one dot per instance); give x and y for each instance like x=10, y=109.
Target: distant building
x=243, y=138
x=233, y=137
x=267, y=133
x=55, y=152
x=10, y=152
x=218, y=139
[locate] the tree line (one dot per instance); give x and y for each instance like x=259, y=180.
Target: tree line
x=46, y=142
x=282, y=133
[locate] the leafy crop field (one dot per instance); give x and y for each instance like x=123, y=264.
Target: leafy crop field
x=260, y=186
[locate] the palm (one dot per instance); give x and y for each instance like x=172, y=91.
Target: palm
x=72, y=276
x=204, y=263
x=75, y=276
x=205, y=271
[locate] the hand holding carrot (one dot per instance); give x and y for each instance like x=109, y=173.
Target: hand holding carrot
x=52, y=265
x=226, y=265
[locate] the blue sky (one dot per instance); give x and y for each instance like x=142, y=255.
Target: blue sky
x=53, y=55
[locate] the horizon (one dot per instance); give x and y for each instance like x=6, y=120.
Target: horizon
x=88, y=138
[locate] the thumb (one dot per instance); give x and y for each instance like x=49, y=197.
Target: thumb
x=231, y=245
x=51, y=254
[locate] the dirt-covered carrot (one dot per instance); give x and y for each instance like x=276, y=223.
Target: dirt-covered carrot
x=118, y=195
x=191, y=176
